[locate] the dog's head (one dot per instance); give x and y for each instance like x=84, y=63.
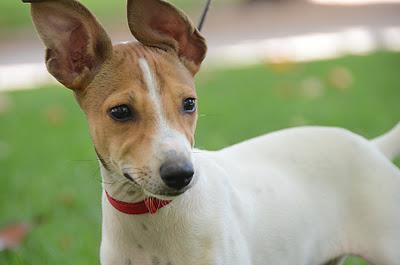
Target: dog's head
x=139, y=97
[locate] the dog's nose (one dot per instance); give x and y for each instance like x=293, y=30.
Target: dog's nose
x=177, y=175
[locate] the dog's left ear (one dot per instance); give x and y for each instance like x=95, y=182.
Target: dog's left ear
x=159, y=24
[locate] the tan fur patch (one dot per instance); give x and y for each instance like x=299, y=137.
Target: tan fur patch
x=121, y=81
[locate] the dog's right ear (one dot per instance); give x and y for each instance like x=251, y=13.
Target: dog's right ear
x=76, y=44
x=158, y=23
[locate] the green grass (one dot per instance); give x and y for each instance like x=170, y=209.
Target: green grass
x=48, y=169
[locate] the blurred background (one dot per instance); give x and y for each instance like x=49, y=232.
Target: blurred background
x=271, y=65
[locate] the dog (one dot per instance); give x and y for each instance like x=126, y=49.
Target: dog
x=304, y=196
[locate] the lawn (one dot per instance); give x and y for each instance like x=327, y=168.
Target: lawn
x=49, y=174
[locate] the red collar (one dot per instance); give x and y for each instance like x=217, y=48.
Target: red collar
x=149, y=205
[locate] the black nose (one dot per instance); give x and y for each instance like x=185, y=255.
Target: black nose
x=176, y=175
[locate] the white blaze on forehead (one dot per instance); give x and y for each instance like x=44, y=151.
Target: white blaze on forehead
x=151, y=85
x=169, y=139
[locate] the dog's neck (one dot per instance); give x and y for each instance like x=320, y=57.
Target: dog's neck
x=126, y=191
x=140, y=236
x=148, y=229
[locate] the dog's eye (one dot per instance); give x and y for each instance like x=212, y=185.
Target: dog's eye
x=121, y=113
x=189, y=105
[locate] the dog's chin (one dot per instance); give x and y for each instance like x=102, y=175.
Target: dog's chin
x=168, y=194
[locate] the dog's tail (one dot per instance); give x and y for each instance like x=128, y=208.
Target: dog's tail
x=389, y=143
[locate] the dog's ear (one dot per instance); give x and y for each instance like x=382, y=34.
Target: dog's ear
x=157, y=23
x=76, y=43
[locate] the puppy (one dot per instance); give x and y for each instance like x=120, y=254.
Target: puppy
x=303, y=196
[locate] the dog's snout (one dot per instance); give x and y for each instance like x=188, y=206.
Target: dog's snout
x=177, y=175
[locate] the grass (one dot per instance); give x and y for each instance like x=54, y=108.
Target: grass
x=49, y=174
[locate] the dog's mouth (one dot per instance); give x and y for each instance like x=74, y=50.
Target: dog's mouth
x=128, y=177
x=163, y=195
x=166, y=195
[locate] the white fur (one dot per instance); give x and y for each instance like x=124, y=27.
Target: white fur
x=389, y=142
x=151, y=85
x=300, y=196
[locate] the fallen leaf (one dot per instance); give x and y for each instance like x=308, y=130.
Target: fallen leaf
x=286, y=90
x=280, y=65
x=12, y=235
x=67, y=200
x=55, y=115
x=312, y=87
x=340, y=78
x=5, y=103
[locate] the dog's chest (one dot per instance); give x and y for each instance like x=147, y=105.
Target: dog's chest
x=174, y=253
x=151, y=244
x=146, y=259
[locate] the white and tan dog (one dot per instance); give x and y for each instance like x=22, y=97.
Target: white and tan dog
x=304, y=196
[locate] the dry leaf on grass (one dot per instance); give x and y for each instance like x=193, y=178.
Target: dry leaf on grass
x=55, y=115
x=312, y=87
x=282, y=65
x=11, y=236
x=340, y=78
x=5, y=103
